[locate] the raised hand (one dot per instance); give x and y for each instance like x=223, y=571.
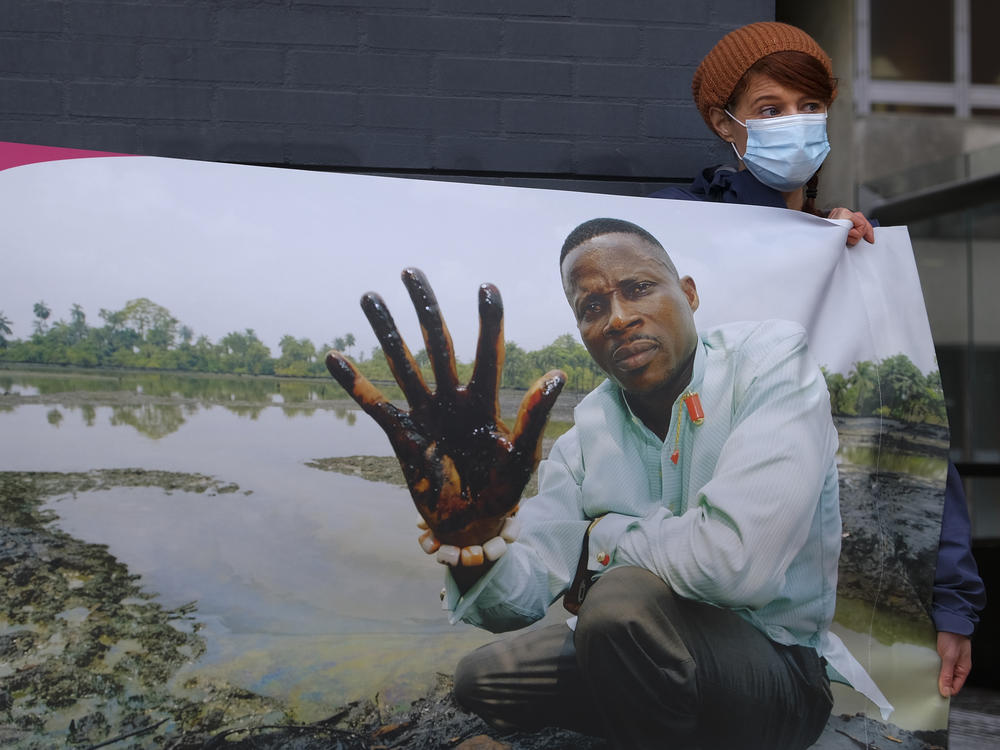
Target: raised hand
x=465, y=468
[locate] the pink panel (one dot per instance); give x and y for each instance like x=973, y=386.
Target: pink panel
x=16, y=154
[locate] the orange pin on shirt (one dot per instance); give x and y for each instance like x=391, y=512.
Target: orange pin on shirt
x=695, y=413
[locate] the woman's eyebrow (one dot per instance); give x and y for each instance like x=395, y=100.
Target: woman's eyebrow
x=764, y=98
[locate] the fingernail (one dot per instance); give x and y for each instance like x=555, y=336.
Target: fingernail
x=511, y=528
x=472, y=556
x=448, y=554
x=495, y=548
x=428, y=542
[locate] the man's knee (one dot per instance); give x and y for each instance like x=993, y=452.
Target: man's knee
x=621, y=602
x=479, y=689
x=468, y=682
x=628, y=633
x=524, y=682
x=601, y=620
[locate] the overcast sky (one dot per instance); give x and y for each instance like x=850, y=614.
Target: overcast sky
x=226, y=248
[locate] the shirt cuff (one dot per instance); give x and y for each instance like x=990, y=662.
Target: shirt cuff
x=604, y=538
x=951, y=622
x=457, y=603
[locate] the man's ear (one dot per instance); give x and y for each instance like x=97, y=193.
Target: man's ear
x=722, y=123
x=690, y=291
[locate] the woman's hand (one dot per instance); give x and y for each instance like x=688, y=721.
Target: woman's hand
x=465, y=468
x=862, y=228
x=956, y=662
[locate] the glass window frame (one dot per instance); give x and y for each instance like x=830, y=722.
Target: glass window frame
x=962, y=95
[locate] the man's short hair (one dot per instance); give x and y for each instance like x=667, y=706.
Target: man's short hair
x=588, y=230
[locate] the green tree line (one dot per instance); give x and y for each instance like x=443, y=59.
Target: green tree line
x=145, y=335
x=893, y=387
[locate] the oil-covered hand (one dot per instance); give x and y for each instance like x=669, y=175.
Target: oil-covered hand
x=465, y=468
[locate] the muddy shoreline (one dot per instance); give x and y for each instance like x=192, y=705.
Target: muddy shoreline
x=87, y=653
x=891, y=519
x=90, y=659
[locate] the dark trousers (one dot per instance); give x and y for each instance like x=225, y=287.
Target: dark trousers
x=648, y=669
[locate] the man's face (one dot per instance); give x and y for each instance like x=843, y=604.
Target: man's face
x=635, y=316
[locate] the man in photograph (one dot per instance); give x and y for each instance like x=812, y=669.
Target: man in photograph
x=708, y=461
x=697, y=491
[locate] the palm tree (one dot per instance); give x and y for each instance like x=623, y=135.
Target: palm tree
x=5, y=330
x=42, y=312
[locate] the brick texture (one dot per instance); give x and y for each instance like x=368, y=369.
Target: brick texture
x=138, y=21
x=585, y=94
x=19, y=15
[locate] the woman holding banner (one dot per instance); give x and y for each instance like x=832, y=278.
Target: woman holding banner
x=765, y=88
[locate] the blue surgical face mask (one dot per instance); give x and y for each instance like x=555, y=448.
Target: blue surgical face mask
x=784, y=152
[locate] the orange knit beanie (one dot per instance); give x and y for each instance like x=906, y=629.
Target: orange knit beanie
x=734, y=54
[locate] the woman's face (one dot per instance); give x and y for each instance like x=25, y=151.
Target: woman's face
x=763, y=98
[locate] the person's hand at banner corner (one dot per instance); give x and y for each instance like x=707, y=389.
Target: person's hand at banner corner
x=862, y=229
x=956, y=662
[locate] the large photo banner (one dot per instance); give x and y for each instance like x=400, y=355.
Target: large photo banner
x=201, y=533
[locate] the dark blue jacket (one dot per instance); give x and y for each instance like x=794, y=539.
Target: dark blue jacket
x=726, y=184
x=959, y=593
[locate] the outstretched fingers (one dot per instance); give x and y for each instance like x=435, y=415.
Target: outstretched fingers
x=404, y=367
x=485, y=382
x=534, y=414
x=367, y=396
x=436, y=336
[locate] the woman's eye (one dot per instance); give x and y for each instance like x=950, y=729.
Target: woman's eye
x=770, y=112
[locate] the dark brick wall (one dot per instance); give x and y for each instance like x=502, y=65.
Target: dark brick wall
x=592, y=94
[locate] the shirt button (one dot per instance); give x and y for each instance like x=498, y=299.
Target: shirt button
x=603, y=558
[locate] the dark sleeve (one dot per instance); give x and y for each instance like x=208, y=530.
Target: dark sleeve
x=959, y=593
x=725, y=184
x=677, y=193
